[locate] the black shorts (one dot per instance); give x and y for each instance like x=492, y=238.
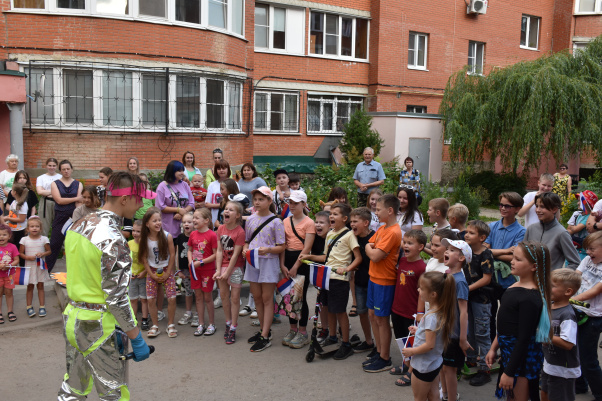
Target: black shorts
x=323, y=297
x=338, y=296
x=428, y=376
x=453, y=355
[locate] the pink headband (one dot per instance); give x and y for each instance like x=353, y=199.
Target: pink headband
x=140, y=191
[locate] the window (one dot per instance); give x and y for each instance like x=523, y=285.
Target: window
x=279, y=32
x=188, y=11
x=154, y=8
x=42, y=110
x=415, y=109
x=588, y=6
x=77, y=94
x=72, y=4
x=262, y=27
x=188, y=101
x=278, y=28
x=329, y=114
x=579, y=46
x=154, y=100
x=217, y=13
x=276, y=111
x=117, y=99
x=334, y=35
x=29, y=4
x=417, y=50
x=234, y=106
x=215, y=103
x=119, y=7
x=476, y=50
x=238, y=16
x=529, y=32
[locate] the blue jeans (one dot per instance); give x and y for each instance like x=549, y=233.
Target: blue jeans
x=587, y=339
x=479, y=320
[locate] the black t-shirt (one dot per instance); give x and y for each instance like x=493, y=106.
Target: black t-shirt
x=361, y=274
x=318, y=247
x=479, y=265
x=181, y=244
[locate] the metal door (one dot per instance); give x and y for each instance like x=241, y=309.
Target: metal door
x=420, y=151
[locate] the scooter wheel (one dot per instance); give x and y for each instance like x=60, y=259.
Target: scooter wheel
x=310, y=356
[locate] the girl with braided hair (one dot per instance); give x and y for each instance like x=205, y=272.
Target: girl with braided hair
x=523, y=322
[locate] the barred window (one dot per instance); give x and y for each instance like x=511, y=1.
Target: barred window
x=276, y=111
x=329, y=114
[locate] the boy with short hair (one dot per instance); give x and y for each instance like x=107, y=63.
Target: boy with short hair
x=383, y=251
x=405, y=301
x=437, y=213
x=478, y=275
x=457, y=216
x=552, y=233
x=294, y=182
x=342, y=256
x=545, y=184
x=457, y=255
x=282, y=191
x=360, y=224
x=137, y=288
x=561, y=358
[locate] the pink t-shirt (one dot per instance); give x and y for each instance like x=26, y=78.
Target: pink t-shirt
x=202, y=245
x=8, y=255
x=229, y=239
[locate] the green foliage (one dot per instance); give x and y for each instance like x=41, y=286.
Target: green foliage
x=594, y=184
x=495, y=183
x=430, y=190
x=552, y=105
x=155, y=178
x=460, y=192
x=358, y=135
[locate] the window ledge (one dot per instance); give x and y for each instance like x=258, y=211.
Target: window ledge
x=277, y=51
x=411, y=67
x=577, y=13
x=533, y=49
x=340, y=58
x=478, y=74
x=257, y=132
x=325, y=133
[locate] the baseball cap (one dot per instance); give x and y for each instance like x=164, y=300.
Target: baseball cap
x=280, y=171
x=298, y=196
x=461, y=245
x=265, y=191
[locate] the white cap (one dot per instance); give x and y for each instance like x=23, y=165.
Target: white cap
x=298, y=196
x=461, y=245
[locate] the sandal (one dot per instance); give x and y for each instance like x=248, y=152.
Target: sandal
x=153, y=332
x=199, y=331
x=404, y=381
x=397, y=371
x=1, y=319
x=171, y=331
x=210, y=330
x=353, y=311
x=11, y=317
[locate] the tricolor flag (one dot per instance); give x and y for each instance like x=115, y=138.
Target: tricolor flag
x=66, y=226
x=252, y=257
x=405, y=342
x=285, y=211
x=319, y=275
x=193, y=271
x=284, y=286
x=41, y=263
x=20, y=275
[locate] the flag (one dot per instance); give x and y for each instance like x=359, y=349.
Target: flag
x=285, y=211
x=405, y=342
x=319, y=275
x=66, y=227
x=252, y=257
x=284, y=286
x=20, y=275
x=193, y=271
x=41, y=264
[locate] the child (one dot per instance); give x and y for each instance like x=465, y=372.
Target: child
x=436, y=262
x=589, y=332
x=202, y=248
x=337, y=194
x=405, y=302
x=17, y=213
x=230, y=265
x=294, y=182
x=9, y=258
x=264, y=231
x=457, y=216
x=227, y=188
x=183, y=271
x=457, y=255
x=383, y=251
x=282, y=192
x=561, y=357
x=432, y=334
x=342, y=256
x=103, y=177
x=137, y=288
x=157, y=253
x=576, y=225
x=360, y=224
x=545, y=184
x=322, y=224
x=90, y=205
x=299, y=231
x=146, y=203
x=552, y=233
x=33, y=247
x=375, y=195
x=523, y=305
x=478, y=275
x=437, y=213
x=199, y=193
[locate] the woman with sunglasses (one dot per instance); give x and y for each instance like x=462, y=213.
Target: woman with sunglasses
x=562, y=184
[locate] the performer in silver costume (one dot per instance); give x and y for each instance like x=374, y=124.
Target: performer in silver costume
x=99, y=319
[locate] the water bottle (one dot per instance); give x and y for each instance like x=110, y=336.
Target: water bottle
x=160, y=272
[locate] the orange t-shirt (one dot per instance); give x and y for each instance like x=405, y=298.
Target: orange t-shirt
x=387, y=240
x=307, y=226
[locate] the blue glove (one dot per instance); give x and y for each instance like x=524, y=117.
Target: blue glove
x=141, y=351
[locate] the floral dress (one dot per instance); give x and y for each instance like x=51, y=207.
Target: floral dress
x=560, y=188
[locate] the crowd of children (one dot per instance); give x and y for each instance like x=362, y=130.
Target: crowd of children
x=485, y=294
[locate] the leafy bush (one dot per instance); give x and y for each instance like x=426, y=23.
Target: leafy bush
x=496, y=183
x=462, y=193
x=594, y=184
x=155, y=178
x=358, y=135
x=430, y=190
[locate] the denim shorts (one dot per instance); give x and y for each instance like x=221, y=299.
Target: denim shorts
x=137, y=288
x=361, y=298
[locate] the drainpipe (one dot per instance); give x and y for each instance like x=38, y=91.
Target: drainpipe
x=16, y=130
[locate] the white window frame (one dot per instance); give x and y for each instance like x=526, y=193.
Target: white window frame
x=268, y=111
x=335, y=102
x=413, y=64
x=423, y=108
x=579, y=46
x=597, y=8
x=338, y=56
x=270, y=27
x=528, y=31
x=134, y=14
x=472, y=69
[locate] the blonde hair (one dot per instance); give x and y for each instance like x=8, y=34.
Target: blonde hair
x=206, y=214
x=196, y=176
x=459, y=211
x=567, y=277
x=440, y=204
x=239, y=209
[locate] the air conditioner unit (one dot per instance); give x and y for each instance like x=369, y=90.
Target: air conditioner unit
x=477, y=7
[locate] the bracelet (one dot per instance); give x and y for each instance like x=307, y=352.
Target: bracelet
x=420, y=313
x=202, y=262
x=178, y=212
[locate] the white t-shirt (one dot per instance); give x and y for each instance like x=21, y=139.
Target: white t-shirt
x=433, y=265
x=531, y=216
x=591, y=274
x=597, y=207
x=46, y=180
x=7, y=179
x=416, y=221
x=214, y=193
x=22, y=210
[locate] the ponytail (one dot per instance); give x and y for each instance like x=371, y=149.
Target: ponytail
x=444, y=285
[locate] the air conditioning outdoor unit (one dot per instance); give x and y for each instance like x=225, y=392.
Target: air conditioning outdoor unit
x=477, y=7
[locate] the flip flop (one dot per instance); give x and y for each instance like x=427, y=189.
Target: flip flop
x=353, y=311
x=11, y=317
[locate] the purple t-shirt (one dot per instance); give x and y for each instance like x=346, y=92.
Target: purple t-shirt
x=165, y=198
x=271, y=235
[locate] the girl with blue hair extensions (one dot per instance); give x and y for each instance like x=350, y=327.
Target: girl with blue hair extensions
x=523, y=322
x=174, y=197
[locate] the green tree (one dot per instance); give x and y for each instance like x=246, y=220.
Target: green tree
x=358, y=135
x=532, y=109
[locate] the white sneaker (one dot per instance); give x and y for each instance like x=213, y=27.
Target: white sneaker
x=160, y=315
x=185, y=319
x=245, y=311
x=254, y=314
x=217, y=303
x=194, y=321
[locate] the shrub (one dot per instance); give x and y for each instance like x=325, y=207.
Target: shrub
x=358, y=135
x=155, y=178
x=462, y=193
x=496, y=183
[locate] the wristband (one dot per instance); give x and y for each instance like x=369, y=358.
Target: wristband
x=420, y=313
x=177, y=271
x=202, y=262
